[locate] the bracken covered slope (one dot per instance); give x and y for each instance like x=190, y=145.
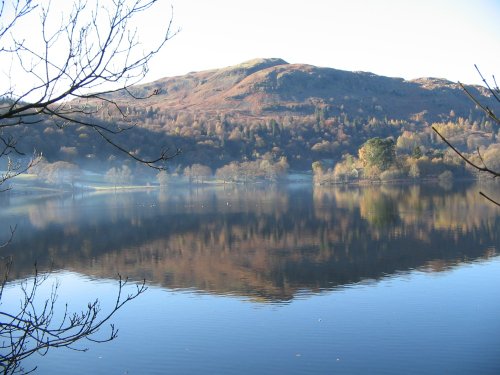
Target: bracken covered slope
x=274, y=87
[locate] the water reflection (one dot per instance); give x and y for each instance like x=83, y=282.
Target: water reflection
x=264, y=243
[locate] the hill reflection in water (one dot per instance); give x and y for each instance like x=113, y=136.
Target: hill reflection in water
x=262, y=243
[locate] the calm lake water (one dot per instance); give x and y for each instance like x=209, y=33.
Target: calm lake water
x=275, y=280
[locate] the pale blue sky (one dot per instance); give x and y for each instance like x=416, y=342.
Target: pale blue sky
x=396, y=38
x=399, y=38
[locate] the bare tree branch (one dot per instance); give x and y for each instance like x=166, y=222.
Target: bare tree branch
x=484, y=168
x=40, y=325
x=495, y=93
x=85, y=55
x=65, y=74
x=485, y=108
x=8, y=146
x=9, y=240
x=490, y=199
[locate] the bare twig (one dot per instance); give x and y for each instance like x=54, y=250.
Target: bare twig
x=495, y=92
x=484, y=168
x=484, y=108
x=9, y=240
x=40, y=325
x=490, y=199
x=99, y=54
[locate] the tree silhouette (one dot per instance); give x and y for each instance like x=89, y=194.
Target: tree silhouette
x=80, y=57
x=37, y=326
x=81, y=53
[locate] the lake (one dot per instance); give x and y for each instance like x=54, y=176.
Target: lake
x=271, y=280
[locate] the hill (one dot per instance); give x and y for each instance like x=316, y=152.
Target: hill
x=273, y=87
x=270, y=109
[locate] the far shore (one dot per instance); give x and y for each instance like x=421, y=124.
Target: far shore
x=26, y=186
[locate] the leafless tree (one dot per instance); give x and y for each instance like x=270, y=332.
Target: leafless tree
x=8, y=146
x=119, y=175
x=197, y=173
x=37, y=326
x=64, y=73
x=494, y=92
x=480, y=166
x=72, y=63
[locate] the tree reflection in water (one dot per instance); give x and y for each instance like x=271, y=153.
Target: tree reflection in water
x=264, y=243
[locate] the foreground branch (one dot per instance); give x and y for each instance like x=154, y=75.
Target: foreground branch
x=494, y=91
x=78, y=60
x=41, y=324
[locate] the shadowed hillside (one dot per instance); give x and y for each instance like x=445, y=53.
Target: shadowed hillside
x=269, y=109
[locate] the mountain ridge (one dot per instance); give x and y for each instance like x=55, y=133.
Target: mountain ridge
x=273, y=86
x=268, y=108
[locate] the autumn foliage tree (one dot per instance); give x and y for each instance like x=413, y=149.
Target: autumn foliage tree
x=377, y=155
x=480, y=164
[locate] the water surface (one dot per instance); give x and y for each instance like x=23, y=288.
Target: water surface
x=274, y=280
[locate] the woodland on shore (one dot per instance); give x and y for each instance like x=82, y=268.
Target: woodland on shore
x=264, y=118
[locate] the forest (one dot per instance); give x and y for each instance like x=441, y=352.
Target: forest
x=244, y=149
x=263, y=119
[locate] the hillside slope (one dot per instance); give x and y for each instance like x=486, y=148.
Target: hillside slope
x=269, y=109
x=274, y=87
